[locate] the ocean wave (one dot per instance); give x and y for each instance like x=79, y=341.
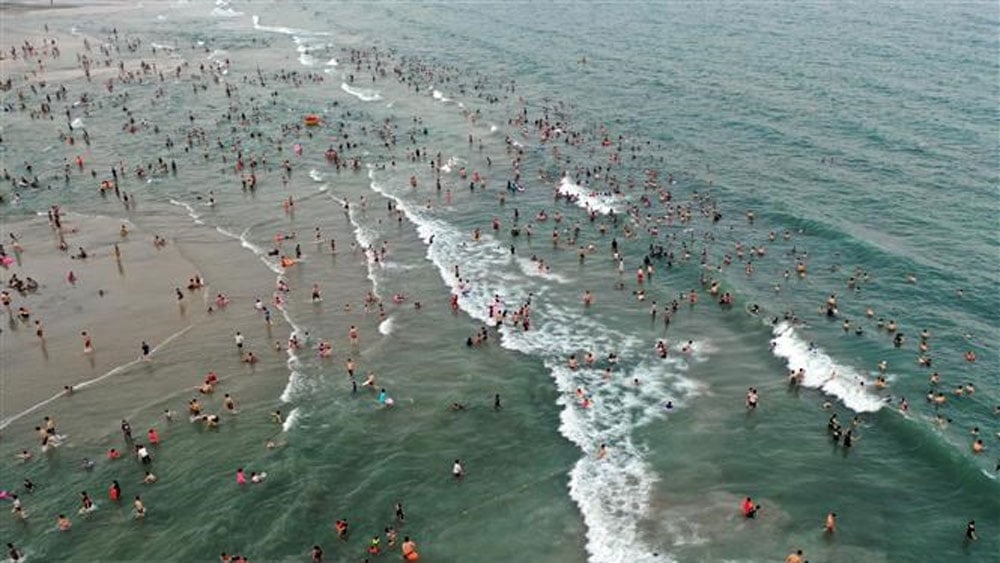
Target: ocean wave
x=290, y=421
x=612, y=493
x=284, y=30
x=366, y=240
x=191, y=212
x=603, y=203
x=302, y=47
x=821, y=372
x=450, y=165
x=530, y=268
x=296, y=379
x=361, y=93
x=225, y=13
x=437, y=95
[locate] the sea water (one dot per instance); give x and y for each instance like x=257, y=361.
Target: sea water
x=866, y=132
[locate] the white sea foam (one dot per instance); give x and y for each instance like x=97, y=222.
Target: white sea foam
x=76, y=123
x=613, y=493
x=530, y=268
x=297, y=382
x=296, y=379
x=302, y=47
x=161, y=46
x=843, y=382
x=316, y=175
x=191, y=212
x=385, y=327
x=290, y=421
x=437, y=95
x=366, y=240
x=225, y=13
x=362, y=94
x=332, y=62
x=590, y=200
x=450, y=165
x=272, y=265
x=284, y=30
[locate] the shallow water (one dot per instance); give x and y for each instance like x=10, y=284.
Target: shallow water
x=869, y=134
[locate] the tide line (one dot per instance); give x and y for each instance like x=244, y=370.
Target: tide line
x=116, y=370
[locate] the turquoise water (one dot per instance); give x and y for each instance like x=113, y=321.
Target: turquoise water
x=867, y=132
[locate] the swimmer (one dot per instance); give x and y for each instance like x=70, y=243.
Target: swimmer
x=63, y=523
x=409, y=550
x=149, y=479
x=341, y=526
x=16, y=508
x=457, y=471
x=831, y=523
x=602, y=452
x=139, y=508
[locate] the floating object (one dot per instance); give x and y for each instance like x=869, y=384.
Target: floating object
x=312, y=120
